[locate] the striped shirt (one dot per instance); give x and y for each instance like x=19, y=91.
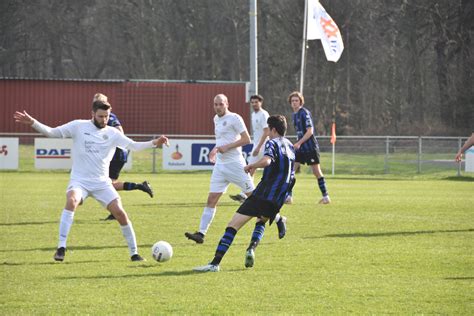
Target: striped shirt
x=120, y=153
x=278, y=177
x=302, y=121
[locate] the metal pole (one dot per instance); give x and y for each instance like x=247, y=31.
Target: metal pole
x=333, y=157
x=459, y=163
x=419, y=154
x=303, y=48
x=253, y=49
x=154, y=158
x=387, y=151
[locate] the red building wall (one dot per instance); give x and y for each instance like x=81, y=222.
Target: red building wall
x=143, y=107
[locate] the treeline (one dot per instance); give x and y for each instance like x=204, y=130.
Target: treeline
x=407, y=67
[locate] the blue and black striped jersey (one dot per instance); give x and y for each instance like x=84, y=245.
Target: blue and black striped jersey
x=113, y=120
x=302, y=120
x=120, y=153
x=278, y=177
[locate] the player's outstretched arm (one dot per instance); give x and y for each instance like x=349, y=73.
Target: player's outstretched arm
x=262, y=163
x=25, y=118
x=162, y=140
x=469, y=142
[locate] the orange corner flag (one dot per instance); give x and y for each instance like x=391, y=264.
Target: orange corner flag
x=333, y=133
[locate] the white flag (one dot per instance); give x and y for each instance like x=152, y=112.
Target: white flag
x=322, y=26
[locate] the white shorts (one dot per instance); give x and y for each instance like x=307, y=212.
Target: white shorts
x=254, y=159
x=224, y=174
x=103, y=192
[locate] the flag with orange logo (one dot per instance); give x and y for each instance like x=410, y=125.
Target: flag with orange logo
x=322, y=26
x=333, y=133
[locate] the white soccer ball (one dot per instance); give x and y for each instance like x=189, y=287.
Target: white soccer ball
x=162, y=251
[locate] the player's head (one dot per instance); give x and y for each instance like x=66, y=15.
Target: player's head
x=101, y=113
x=256, y=101
x=99, y=97
x=296, y=100
x=221, y=104
x=277, y=122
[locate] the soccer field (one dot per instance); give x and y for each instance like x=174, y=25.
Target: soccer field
x=385, y=245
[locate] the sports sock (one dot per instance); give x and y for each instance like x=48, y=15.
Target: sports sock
x=65, y=224
x=322, y=186
x=129, y=234
x=206, y=219
x=257, y=235
x=128, y=186
x=277, y=218
x=224, y=245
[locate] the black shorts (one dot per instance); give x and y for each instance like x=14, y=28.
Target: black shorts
x=258, y=207
x=309, y=158
x=115, y=168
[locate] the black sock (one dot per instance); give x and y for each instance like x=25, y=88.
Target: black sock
x=128, y=186
x=224, y=245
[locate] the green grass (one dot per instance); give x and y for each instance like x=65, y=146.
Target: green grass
x=385, y=245
x=397, y=164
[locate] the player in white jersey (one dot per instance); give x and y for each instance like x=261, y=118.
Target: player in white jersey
x=231, y=135
x=260, y=134
x=94, y=145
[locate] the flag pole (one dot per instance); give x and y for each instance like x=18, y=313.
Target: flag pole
x=303, y=49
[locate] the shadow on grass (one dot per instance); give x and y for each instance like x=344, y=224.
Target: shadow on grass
x=460, y=179
x=13, y=264
x=390, y=234
x=128, y=276
x=460, y=278
x=28, y=223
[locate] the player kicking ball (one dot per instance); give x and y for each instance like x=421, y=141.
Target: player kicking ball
x=94, y=144
x=267, y=199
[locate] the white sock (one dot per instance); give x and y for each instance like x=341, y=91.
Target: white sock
x=206, y=219
x=277, y=217
x=65, y=224
x=129, y=234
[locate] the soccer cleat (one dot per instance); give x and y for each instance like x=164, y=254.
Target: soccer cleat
x=281, y=225
x=59, y=254
x=207, y=268
x=137, y=257
x=198, y=237
x=238, y=197
x=249, y=258
x=146, y=187
x=109, y=218
x=325, y=200
x=289, y=200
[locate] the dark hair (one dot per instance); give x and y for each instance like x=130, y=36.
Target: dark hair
x=257, y=96
x=101, y=105
x=277, y=122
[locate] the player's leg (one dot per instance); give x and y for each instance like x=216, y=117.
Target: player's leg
x=115, y=167
x=317, y=172
x=217, y=187
x=74, y=197
x=225, y=242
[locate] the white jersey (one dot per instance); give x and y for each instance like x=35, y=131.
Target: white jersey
x=92, y=150
x=259, y=122
x=228, y=129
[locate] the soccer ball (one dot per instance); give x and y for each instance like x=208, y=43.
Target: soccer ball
x=162, y=251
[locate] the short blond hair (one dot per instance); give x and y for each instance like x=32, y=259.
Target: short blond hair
x=296, y=94
x=100, y=97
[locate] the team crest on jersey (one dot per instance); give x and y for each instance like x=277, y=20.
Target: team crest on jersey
x=105, y=137
x=224, y=124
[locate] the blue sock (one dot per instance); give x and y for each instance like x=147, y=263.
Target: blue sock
x=224, y=245
x=257, y=235
x=322, y=186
